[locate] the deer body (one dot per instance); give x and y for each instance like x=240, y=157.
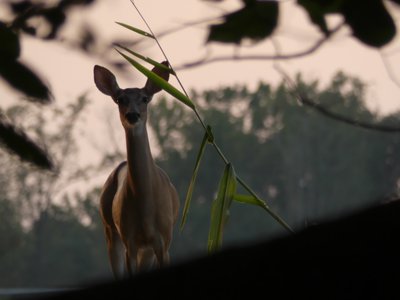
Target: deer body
x=138, y=204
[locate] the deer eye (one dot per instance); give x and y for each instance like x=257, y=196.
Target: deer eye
x=123, y=100
x=146, y=99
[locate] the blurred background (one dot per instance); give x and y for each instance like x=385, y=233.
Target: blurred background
x=61, y=137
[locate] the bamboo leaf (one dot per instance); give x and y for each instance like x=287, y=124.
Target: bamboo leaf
x=249, y=199
x=137, y=30
x=210, y=135
x=194, y=176
x=148, y=60
x=158, y=80
x=262, y=204
x=220, y=208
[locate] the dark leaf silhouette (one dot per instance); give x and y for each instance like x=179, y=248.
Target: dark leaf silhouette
x=19, y=143
x=21, y=7
x=68, y=3
x=23, y=79
x=256, y=20
x=9, y=43
x=56, y=17
x=369, y=20
x=318, y=9
x=87, y=39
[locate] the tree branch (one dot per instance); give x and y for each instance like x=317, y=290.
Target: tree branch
x=389, y=69
x=172, y=30
x=308, y=51
x=326, y=112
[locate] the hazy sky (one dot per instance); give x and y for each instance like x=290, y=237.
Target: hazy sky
x=70, y=73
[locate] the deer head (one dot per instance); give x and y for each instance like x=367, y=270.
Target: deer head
x=132, y=102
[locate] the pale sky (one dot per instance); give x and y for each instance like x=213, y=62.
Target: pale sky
x=69, y=72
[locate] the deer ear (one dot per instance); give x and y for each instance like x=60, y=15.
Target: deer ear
x=151, y=87
x=105, y=81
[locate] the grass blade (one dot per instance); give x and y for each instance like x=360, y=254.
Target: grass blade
x=148, y=60
x=263, y=205
x=189, y=193
x=220, y=208
x=137, y=30
x=161, y=82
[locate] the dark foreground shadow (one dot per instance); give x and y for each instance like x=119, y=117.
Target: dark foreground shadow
x=356, y=257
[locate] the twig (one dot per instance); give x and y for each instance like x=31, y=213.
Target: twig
x=184, y=26
x=310, y=50
x=389, y=70
x=324, y=111
x=213, y=142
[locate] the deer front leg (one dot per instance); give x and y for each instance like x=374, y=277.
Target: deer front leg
x=115, y=249
x=145, y=259
x=138, y=260
x=161, y=252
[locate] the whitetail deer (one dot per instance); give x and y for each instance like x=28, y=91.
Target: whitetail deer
x=138, y=204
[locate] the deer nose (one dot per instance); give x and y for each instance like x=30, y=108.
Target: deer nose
x=132, y=117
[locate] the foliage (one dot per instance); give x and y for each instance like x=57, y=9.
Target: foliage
x=220, y=207
x=17, y=141
x=54, y=130
x=15, y=73
x=11, y=233
x=256, y=20
x=37, y=208
x=77, y=247
x=20, y=76
x=286, y=144
x=189, y=193
x=261, y=17
x=215, y=218
x=44, y=257
x=23, y=78
x=308, y=167
x=218, y=216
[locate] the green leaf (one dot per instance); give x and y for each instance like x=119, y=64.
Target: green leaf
x=148, y=60
x=220, y=208
x=249, y=199
x=256, y=20
x=19, y=143
x=159, y=81
x=134, y=29
x=194, y=176
x=210, y=135
x=261, y=203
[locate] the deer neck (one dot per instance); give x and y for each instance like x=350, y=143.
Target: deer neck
x=141, y=165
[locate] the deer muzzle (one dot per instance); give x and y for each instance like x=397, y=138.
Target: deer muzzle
x=132, y=117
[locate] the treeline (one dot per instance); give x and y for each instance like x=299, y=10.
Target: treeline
x=308, y=167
